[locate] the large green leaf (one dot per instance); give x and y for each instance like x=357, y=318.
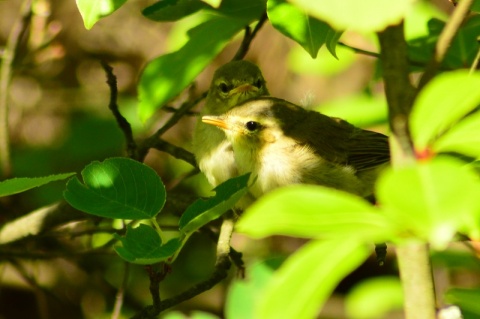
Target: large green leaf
x=244, y=293
x=313, y=211
x=306, y=279
x=21, y=184
x=203, y=211
x=168, y=75
x=463, y=138
x=117, y=188
x=363, y=16
x=143, y=245
x=94, y=10
x=294, y=23
x=431, y=200
x=445, y=100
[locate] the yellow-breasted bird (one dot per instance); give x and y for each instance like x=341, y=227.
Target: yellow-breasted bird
x=282, y=143
x=233, y=83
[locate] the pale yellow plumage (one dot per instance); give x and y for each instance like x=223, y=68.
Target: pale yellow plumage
x=282, y=143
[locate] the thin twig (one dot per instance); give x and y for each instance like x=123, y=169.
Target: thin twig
x=113, y=106
x=119, y=297
x=248, y=37
x=360, y=51
x=474, y=65
x=5, y=76
x=175, y=151
x=445, y=40
x=154, y=140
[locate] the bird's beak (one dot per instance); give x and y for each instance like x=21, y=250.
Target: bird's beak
x=243, y=88
x=216, y=121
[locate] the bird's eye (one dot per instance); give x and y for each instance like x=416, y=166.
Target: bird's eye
x=223, y=87
x=252, y=126
x=258, y=83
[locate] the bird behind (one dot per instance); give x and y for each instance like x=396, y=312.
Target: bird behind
x=233, y=83
x=282, y=143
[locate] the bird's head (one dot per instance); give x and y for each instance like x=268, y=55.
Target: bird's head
x=234, y=83
x=251, y=124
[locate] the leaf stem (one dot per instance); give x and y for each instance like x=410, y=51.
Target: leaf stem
x=159, y=230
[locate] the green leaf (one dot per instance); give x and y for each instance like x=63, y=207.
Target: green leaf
x=173, y=10
x=463, y=138
x=446, y=99
x=431, y=200
x=295, y=23
x=168, y=75
x=117, y=188
x=313, y=211
x=143, y=245
x=21, y=184
x=203, y=211
x=94, y=10
x=362, y=16
x=361, y=110
x=244, y=293
x=383, y=292
x=309, y=277
x=466, y=299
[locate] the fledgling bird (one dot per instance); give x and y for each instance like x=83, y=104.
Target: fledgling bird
x=282, y=143
x=233, y=83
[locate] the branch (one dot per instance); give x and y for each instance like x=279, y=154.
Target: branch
x=222, y=265
x=113, y=106
x=248, y=37
x=5, y=76
x=173, y=150
x=417, y=281
x=398, y=89
x=445, y=40
x=413, y=259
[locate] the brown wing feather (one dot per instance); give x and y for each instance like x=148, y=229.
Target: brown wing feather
x=338, y=141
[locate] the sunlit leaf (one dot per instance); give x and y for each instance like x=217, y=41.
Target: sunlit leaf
x=363, y=16
x=383, y=292
x=361, y=110
x=463, y=138
x=117, y=188
x=244, y=293
x=142, y=245
x=431, y=200
x=203, y=211
x=21, y=184
x=168, y=75
x=313, y=211
x=94, y=10
x=445, y=100
x=309, y=277
x=295, y=23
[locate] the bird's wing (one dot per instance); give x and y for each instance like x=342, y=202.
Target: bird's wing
x=367, y=149
x=340, y=142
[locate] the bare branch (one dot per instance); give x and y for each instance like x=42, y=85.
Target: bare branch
x=248, y=37
x=445, y=40
x=113, y=106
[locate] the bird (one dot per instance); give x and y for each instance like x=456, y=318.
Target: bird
x=232, y=83
x=281, y=143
